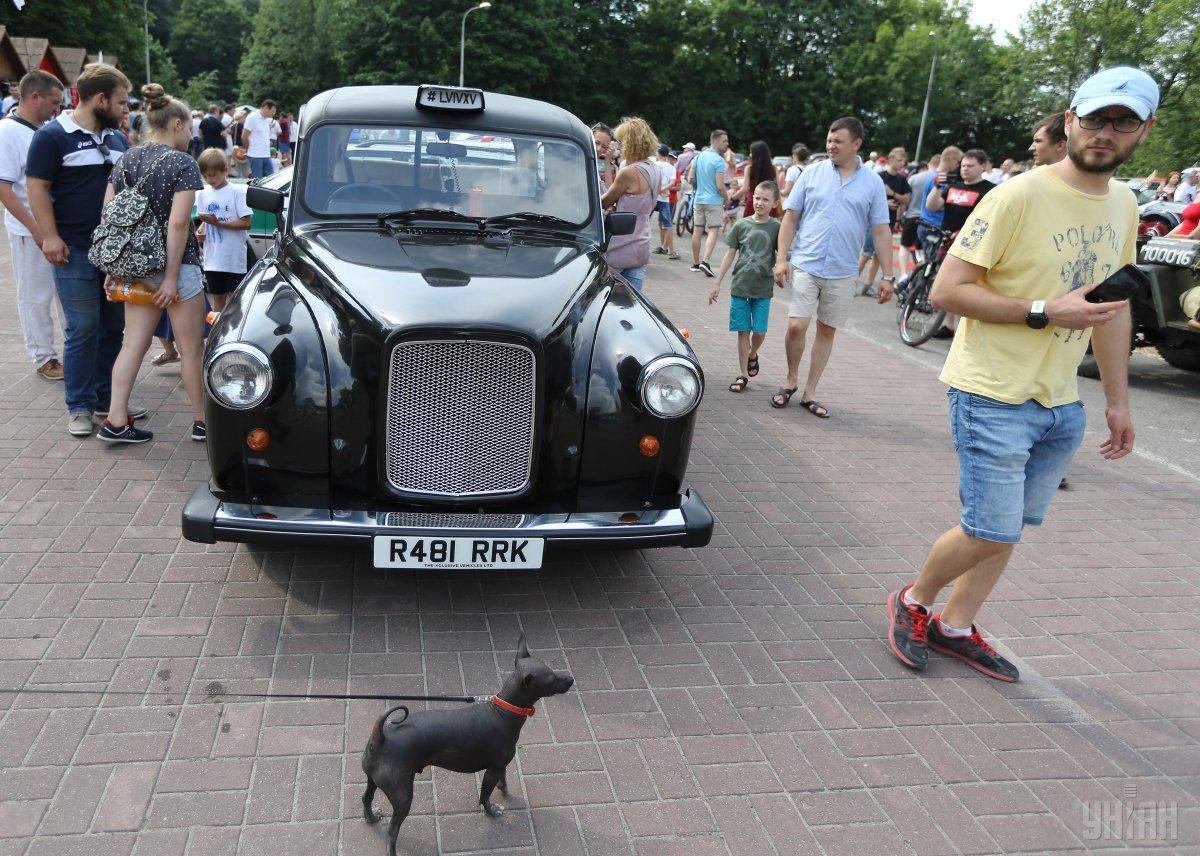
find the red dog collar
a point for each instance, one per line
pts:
(512, 708)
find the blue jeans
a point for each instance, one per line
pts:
(93, 333)
(1011, 458)
(635, 275)
(261, 167)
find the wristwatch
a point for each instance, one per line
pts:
(890, 279)
(1037, 318)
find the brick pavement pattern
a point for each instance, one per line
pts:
(737, 699)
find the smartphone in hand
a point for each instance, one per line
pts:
(1121, 285)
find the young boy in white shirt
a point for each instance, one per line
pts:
(225, 216)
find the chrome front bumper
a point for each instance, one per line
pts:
(206, 519)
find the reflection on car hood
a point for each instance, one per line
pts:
(454, 278)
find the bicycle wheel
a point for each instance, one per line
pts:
(918, 319)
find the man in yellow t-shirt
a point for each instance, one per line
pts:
(1018, 275)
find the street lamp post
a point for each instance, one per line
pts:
(928, 92)
(462, 42)
(146, 25)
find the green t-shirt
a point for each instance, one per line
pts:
(754, 270)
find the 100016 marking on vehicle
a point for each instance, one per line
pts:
(419, 552)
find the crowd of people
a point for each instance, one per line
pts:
(1030, 242)
(1030, 246)
(61, 170)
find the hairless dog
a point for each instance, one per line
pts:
(467, 740)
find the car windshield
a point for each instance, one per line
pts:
(373, 170)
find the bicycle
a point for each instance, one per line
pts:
(687, 208)
(917, 317)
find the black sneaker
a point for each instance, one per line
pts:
(973, 651)
(906, 630)
(660, 251)
(199, 431)
(706, 269)
(696, 267)
(109, 433)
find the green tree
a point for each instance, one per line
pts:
(113, 26)
(1062, 42)
(206, 35)
(289, 57)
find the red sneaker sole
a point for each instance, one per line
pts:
(981, 669)
(891, 614)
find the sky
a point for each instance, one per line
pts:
(1004, 15)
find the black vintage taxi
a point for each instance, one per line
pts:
(434, 359)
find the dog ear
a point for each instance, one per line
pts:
(528, 681)
(522, 648)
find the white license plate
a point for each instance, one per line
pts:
(420, 552)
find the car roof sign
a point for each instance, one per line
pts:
(454, 98)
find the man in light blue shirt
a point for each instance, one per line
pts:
(711, 199)
(825, 217)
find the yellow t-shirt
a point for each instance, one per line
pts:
(1038, 239)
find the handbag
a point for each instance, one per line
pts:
(130, 242)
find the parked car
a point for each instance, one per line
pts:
(1156, 219)
(1173, 265)
(433, 358)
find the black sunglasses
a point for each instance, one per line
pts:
(107, 163)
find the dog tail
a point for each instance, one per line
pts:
(377, 732)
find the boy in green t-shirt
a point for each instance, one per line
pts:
(752, 241)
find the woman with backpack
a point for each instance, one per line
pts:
(160, 175)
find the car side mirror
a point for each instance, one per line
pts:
(265, 199)
(620, 223)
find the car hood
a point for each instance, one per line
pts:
(451, 278)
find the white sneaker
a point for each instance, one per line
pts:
(79, 424)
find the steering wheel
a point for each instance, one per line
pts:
(377, 191)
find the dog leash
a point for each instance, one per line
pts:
(212, 694)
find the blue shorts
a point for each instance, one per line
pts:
(635, 276)
(1011, 458)
(749, 314)
(663, 207)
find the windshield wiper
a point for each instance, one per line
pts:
(529, 217)
(427, 214)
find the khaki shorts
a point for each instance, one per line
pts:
(708, 217)
(828, 299)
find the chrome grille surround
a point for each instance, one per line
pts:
(461, 418)
(420, 520)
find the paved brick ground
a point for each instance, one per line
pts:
(731, 700)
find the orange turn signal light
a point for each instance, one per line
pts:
(683, 331)
(211, 317)
(649, 446)
(258, 440)
(629, 517)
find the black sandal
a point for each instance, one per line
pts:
(739, 384)
(813, 406)
(786, 394)
(752, 367)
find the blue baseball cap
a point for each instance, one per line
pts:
(1120, 86)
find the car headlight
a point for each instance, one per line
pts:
(670, 387)
(239, 376)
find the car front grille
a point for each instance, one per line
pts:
(411, 520)
(460, 418)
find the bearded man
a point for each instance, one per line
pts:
(1018, 274)
(70, 160)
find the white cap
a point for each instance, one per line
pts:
(691, 146)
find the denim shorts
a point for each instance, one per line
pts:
(635, 276)
(191, 281)
(749, 314)
(663, 207)
(1011, 458)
